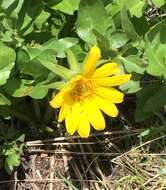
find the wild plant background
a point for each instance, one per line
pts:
(35, 36)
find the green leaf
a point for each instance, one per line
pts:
(8, 168)
(7, 55)
(56, 47)
(52, 2)
(156, 101)
(16, 11)
(127, 25)
(4, 100)
(67, 6)
(6, 3)
(5, 112)
(60, 46)
(72, 61)
(102, 40)
(7, 61)
(12, 160)
(155, 50)
(31, 67)
(158, 29)
(136, 7)
(155, 53)
(133, 63)
(46, 56)
(29, 11)
(41, 19)
(18, 88)
(46, 61)
(159, 3)
(150, 100)
(145, 133)
(33, 8)
(38, 92)
(7, 36)
(113, 9)
(91, 15)
(5, 73)
(43, 60)
(118, 39)
(14, 8)
(56, 85)
(21, 138)
(141, 25)
(131, 86)
(23, 88)
(156, 57)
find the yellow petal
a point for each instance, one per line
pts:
(83, 126)
(63, 112)
(57, 101)
(106, 70)
(76, 110)
(113, 81)
(94, 115)
(111, 94)
(69, 122)
(72, 118)
(91, 61)
(106, 106)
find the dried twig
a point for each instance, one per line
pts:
(78, 173)
(92, 135)
(87, 165)
(53, 180)
(51, 171)
(93, 153)
(14, 184)
(133, 149)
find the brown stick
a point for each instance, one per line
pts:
(51, 171)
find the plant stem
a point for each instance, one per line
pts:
(37, 109)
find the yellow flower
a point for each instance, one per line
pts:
(88, 94)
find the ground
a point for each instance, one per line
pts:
(107, 160)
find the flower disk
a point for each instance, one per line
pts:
(82, 88)
(89, 94)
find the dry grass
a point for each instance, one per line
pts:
(108, 161)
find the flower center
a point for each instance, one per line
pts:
(82, 89)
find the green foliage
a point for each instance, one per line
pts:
(158, 3)
(12, 144)
(135, 7)
(155, 50)
(7, 61)
(41, 41)
(127, 25)
(150, 100)
(4, 100)
(88, 19)
(67, 6)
